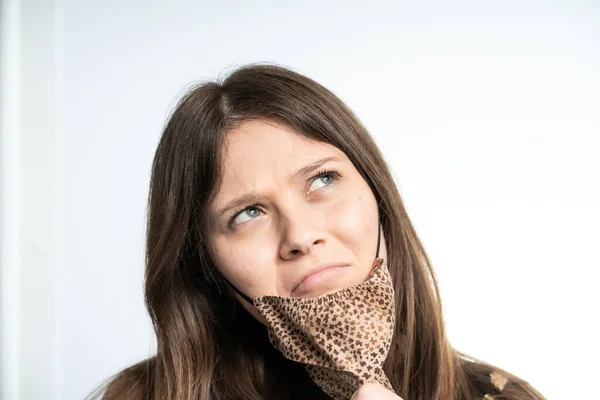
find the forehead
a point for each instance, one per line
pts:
(263, 146)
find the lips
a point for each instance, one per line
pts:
(316, 270)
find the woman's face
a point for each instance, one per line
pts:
(288, 207)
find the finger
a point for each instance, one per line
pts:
(374, 391)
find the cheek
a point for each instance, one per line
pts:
(246, 265)
(355, 222)
(356, 217)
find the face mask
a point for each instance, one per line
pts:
(343, 338)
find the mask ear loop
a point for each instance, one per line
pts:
(244, 296)
(378, 239)
(249, 299)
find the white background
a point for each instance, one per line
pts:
(487, 113)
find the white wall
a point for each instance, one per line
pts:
(487, 113)
(31, 201)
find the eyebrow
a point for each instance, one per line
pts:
(253, 196)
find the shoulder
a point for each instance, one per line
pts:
(132, 383)
(495, 383)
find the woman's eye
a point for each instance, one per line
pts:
(324, 178)
(249, 211)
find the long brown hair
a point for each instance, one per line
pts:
(207, 348)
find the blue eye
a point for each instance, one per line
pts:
(245, 211)
(333, 176)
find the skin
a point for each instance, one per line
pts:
(372, 391)
(298, 223)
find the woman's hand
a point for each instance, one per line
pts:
(374, 391)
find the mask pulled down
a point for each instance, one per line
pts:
(343, 338)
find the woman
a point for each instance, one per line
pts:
(268, 185)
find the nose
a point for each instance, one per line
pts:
(301, 232)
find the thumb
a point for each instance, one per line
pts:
(374, 391)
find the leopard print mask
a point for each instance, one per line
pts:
(343, 338)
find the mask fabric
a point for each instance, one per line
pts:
(343, 338)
